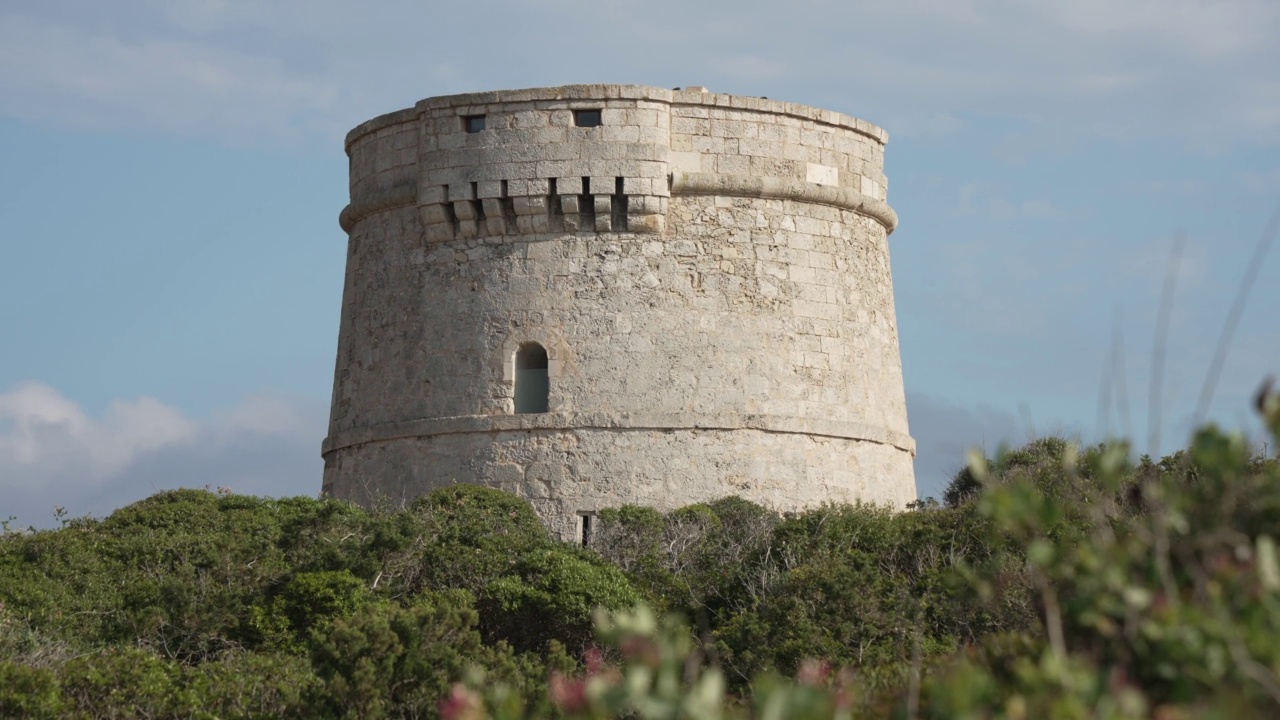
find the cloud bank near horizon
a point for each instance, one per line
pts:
(54, 454)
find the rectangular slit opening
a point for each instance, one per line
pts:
(477, 203)
(618, 207)
(452, 216)
(555, 213)
(585, 529)
(508, 209)
(587, 207)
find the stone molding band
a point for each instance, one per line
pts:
(681, 184)
(399, 196)
(470, 424)
(702, 183)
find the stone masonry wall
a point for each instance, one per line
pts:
(708, 273)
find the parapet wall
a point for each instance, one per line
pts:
(531, 170)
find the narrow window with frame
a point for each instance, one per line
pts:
(533, 386)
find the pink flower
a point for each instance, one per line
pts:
(461, 704)
(569, 695)
(813, 672)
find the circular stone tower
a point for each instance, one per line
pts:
(595, 295)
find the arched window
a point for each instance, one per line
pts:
(532, 385)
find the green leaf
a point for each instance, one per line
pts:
(1268, 566)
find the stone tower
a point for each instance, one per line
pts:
(594, 295)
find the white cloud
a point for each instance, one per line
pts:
(269, 416)
(50, 435)
(53, 453)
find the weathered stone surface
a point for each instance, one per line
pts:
(708, 274)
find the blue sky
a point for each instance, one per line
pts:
(172, 173)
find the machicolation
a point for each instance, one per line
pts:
(594, 295)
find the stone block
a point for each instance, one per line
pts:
(690, 126)
(569, 186)
(643, 117)
(643, 205)
(658, 137)
(465, 210)
(495, 220)
(695, 111)
(645, 223)
(439, 233)
(528, 119)
(732, 164)
(714, 145)
(569, 205)
(434, 214)
(552, 168)
(584, 134)
(637, 186)
(431, 194)
(822, 174)
(689, 162)
(693, 96)
(460, 192)
(603, 208)
(621, 133)
(530, 205)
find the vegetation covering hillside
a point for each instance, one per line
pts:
(1054, 581)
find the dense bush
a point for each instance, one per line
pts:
(191, 603)
(1056, 581)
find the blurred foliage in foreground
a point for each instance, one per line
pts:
(1055, 582)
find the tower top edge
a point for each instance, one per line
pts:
(465, 103)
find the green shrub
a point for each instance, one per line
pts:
(29, 692)
(311, 600)
(393, 661)
(256, 685)
(126, 683)
(551, 595)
